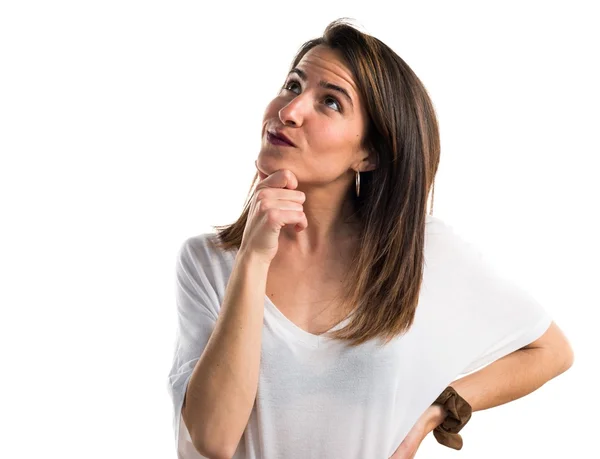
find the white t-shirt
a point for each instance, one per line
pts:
(320, 398)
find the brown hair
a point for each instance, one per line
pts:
(384, 279)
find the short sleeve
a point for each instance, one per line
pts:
(197, 308)
(491, 314)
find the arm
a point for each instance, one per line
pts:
(518, 373)
(224, 383)
(511, 377)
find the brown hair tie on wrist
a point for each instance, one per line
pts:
(458, 414)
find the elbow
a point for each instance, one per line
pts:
(565, 356)
(564, 359)
(569, 358)
(205, 443)
(214, 451)
(210, 454)
(208, 447)
(208, 439)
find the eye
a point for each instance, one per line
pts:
(335, 100)
(287, 85)
(328, 97)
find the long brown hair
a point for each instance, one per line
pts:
(384, 278)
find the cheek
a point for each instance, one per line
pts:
(272, 109)
(330, 139)
(328, 153)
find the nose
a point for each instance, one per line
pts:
(292, 113)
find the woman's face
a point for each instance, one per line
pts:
(323, 124)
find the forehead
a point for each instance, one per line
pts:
(328, 64)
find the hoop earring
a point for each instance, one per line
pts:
(357, 182)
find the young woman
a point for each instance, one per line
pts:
(330, 318)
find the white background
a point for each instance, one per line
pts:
(126, 127)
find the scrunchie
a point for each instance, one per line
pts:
(458, 414)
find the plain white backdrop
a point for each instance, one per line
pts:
(128, 126)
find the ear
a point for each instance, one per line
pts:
(369, 162)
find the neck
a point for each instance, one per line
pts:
(330, 222)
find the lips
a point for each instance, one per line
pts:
(281, 136)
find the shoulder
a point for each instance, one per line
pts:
(437, 226)
(201, 248)
(433, 224)
(201, 259)
(445, 243)
(439, 232)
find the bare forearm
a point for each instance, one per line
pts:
(508, 378)
(223, 386)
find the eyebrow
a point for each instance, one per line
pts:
(323, 84)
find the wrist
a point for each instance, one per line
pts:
(250, 259)
(438, 414)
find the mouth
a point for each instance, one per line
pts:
(279, 139)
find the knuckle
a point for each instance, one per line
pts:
(263, 205)
(261, 194)
(272, 216)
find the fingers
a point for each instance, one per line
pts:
(278, 193)
(282, 178)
